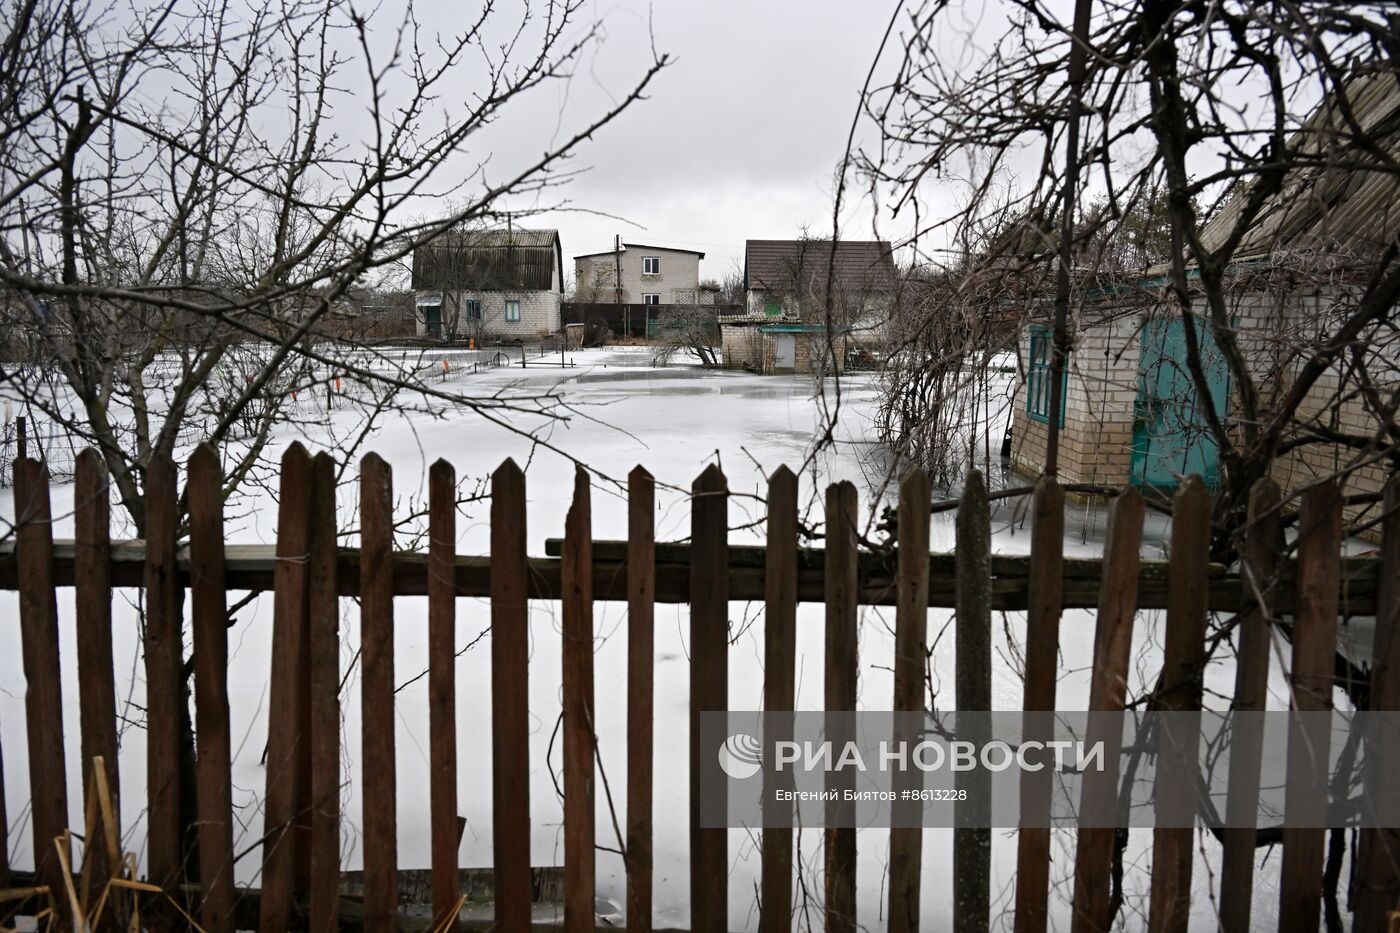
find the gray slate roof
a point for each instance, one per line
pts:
(1349, 201)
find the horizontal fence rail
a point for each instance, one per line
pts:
(189, 842)
(250, 567)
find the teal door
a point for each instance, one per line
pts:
(1171, 436)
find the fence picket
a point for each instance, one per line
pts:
(165, 695)
(641, 672)
(1113, 638)
(209, 615)
(779, 662)
(842, 619)
(43, 698)
(5, 881)
(709, 688)
(379, 776)
(323, 620)
(580, 872)
(92, 603)
(303, 751)
(442, 689)
(510, 705)
(972, 837)
(910, 637)
(1378, 862)
(1310, 682)
(1042, 653)
(1263, 543)
(1179, 694)
(286, 736)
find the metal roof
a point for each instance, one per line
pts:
(787, 265)
(490, 260)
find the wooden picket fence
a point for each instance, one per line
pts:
(308, 574)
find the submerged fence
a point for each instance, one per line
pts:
(307, 573)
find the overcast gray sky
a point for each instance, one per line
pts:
(739, 139)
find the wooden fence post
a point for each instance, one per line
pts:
(910, 658)
(43, 695)
(323, 618)
(1045, 584)
(1378, 868)
(92, 599)
(5, 881)
(709, 688)
(378, 769)
(1314, 660)
(286, 736)
(209, 613)
(779, 661)
(1113, 640)
(641, 661)
(1263, 543)
(972, 834)
(510, 704)
(842, 594)
(576, 568)
(442, 690)
(1179, 698)
(165, 692)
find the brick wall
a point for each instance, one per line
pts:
(1096, 440)
(539, 314)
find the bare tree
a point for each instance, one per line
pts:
(182, 213)
(1221, 137)
(1239, 163)
(184, 220)
(692, 329)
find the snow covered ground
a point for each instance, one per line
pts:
(624, 412)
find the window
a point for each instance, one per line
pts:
(651, 265)
(651, 299)
(512, 310)
(473, 309)
(773, 309)
(1038, 378)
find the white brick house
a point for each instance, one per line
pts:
(501, 284)
(1132, 412)
(653, 275)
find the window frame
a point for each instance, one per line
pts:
(648, 296)
(513, 304)
(654, 262)
(473, 309)
(1039, 354)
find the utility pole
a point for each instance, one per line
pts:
(617, 283)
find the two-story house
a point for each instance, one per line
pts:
(641, 274)
(497, 283)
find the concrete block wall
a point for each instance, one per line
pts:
(676, 283)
